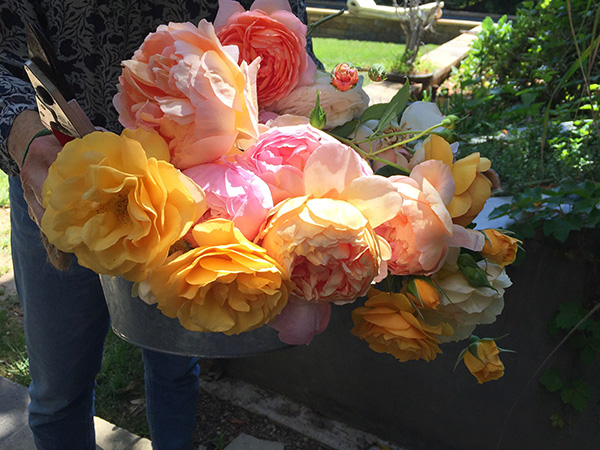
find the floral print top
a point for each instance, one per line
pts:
(91, 38)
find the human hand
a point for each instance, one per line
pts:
(34, 170)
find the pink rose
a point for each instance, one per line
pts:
(279, 157)
(272, 32)
(301, 320)
(186, 86)
(233, 193)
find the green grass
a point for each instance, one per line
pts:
(13, 354)
(360, 53)
(3, 189)
(120, 388)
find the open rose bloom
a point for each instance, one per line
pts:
(228, 223)
(270, 31)
(185, 85)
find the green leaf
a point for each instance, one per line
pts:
(588, 354)
(585, 205)
(373, 112)
(560, 229)
(569, 314)
(394, 107)
(318, 118)
(577, 395)
(557, 421)
(345, 130)
(388, 171)
(551, 380)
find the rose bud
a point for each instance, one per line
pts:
(344, 77)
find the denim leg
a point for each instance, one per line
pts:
(172, 386)
(66, 321)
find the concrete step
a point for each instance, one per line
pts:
(16, 435)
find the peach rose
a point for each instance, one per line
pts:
(486, 366)
(473, 188)
(340, 107)
(227, 284)
(389, 324)
(326, 237)
(185, 85)
(115, 207)
(235, 193)
(499, 247)
(331, 251)
(271, 31)
(422, 232)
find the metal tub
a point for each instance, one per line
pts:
(145, 326)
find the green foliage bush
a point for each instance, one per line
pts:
(533, 86)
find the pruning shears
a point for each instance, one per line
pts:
(57, 106)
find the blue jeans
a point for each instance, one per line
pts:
(66, 321)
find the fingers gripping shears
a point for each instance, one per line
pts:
(57, 106)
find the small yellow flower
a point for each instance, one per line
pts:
(423, 293)
(499, 247)
(488, 366)
(388, 323)
(226, 284)
(115, 207)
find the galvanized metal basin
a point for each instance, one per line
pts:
(144, 325)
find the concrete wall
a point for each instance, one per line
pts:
(428, 406)
(352, 26)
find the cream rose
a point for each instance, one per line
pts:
(340, 107)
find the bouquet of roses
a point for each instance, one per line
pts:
(250, 189)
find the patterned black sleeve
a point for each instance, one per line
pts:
(16, 94)
(91, 39)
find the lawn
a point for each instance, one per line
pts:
(360, 53)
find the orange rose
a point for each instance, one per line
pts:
(473, 188)
(115, 207)
(487, 366)
(226, 284)
(389, 324)
(499, 247)
(272, 32)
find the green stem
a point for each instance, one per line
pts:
(314, 25)
(414, 138)
(372, 156)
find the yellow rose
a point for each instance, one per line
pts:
(226, 284)
(423, 293)
(115, 207)
(488, 366)
(473, 188)
(389, 324)
(499, 247)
